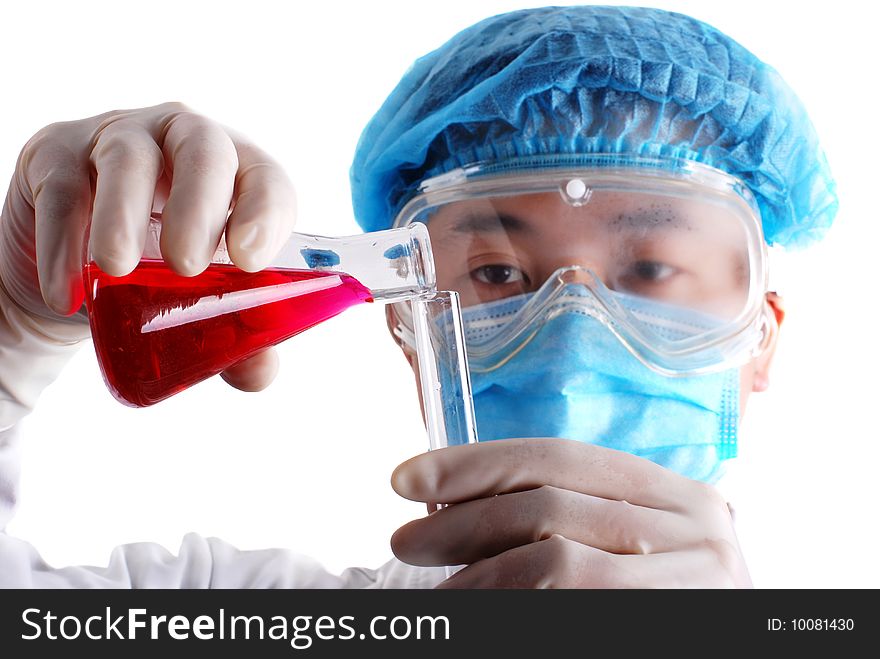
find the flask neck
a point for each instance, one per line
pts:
(394, 264)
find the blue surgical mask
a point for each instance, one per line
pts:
(574, 379)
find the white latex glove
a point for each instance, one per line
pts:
(554, 513)
(114, 169)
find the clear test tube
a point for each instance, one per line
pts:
(443, 374)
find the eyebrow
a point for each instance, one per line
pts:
(642, 219)
(650, 219)
(491, 223)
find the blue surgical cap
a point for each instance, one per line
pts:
(582, 80)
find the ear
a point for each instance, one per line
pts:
(761, 364)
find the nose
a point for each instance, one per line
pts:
(577, 271)
(580, 287)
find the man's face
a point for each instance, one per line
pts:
(673, 250)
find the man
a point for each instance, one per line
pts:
(599, 184)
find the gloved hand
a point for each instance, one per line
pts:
(116, 168)
(554, 513)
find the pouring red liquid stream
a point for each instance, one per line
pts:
(157, 333)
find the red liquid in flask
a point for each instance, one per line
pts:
(157, 333)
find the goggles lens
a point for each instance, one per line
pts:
(652, 247)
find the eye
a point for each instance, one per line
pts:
(498, 275)
(652, 271)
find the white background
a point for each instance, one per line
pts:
(306, 464)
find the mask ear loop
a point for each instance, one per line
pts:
(766, 330)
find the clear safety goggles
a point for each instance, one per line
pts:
(668, 254)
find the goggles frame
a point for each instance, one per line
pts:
(575, 177)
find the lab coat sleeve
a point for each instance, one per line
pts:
(32, 354)
(199, 563)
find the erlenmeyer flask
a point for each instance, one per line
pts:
(157, 333)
